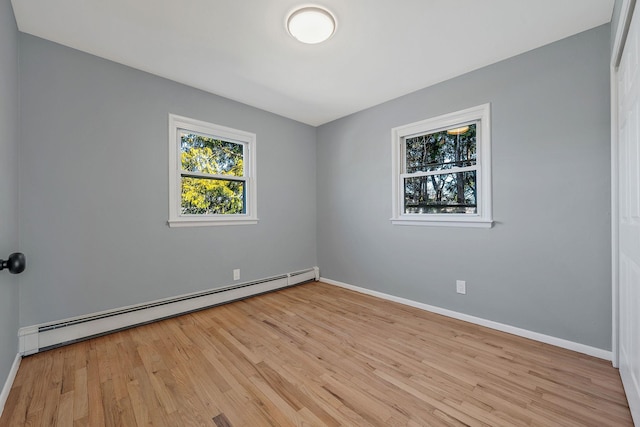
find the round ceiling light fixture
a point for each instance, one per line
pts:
(311, 24)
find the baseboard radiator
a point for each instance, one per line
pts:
(37, 338)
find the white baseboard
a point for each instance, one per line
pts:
(547, 339)
(35, 338)
(9, 382)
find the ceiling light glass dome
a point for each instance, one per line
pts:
(311, 24)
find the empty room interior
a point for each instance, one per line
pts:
(357, 213)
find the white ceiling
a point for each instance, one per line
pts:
(240, 49)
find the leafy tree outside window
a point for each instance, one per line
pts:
(209, 166)
(212, 172)
(442, 170)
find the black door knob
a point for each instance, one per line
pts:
(16, 263)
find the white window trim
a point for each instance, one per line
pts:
(177, 219)
(484, 217)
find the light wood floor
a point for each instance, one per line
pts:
(314, 355)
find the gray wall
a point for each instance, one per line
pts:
(9, 134)
(94, 198)
(545, 265)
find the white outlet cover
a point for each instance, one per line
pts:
(461, 286)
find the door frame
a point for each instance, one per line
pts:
(626, 12)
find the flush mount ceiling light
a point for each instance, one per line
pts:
(311, 24)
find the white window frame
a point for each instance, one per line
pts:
(176, 218)
(484, 217)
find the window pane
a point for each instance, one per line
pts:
(204, 196)
(442, 150)
(208, 155)
(438, 194)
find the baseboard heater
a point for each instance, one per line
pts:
(37, 338)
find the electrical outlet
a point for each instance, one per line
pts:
(461, 286)
(236, 274)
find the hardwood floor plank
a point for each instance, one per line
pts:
(313, 355)
(138, 404)
(94, 394)
(80, 396)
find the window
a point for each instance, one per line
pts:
(442, 170)
(212, 174)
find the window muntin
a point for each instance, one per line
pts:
(212, 174)
(441, 170)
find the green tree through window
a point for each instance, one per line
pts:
(441, 170)
(209, 166)
(212, 174)
(442, 151)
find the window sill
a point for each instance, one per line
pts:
(475, 222)
(208, 222)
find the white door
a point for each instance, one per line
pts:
(629, 216)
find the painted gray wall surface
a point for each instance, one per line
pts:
(545, 265)
(94, 198)
(9, 134)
